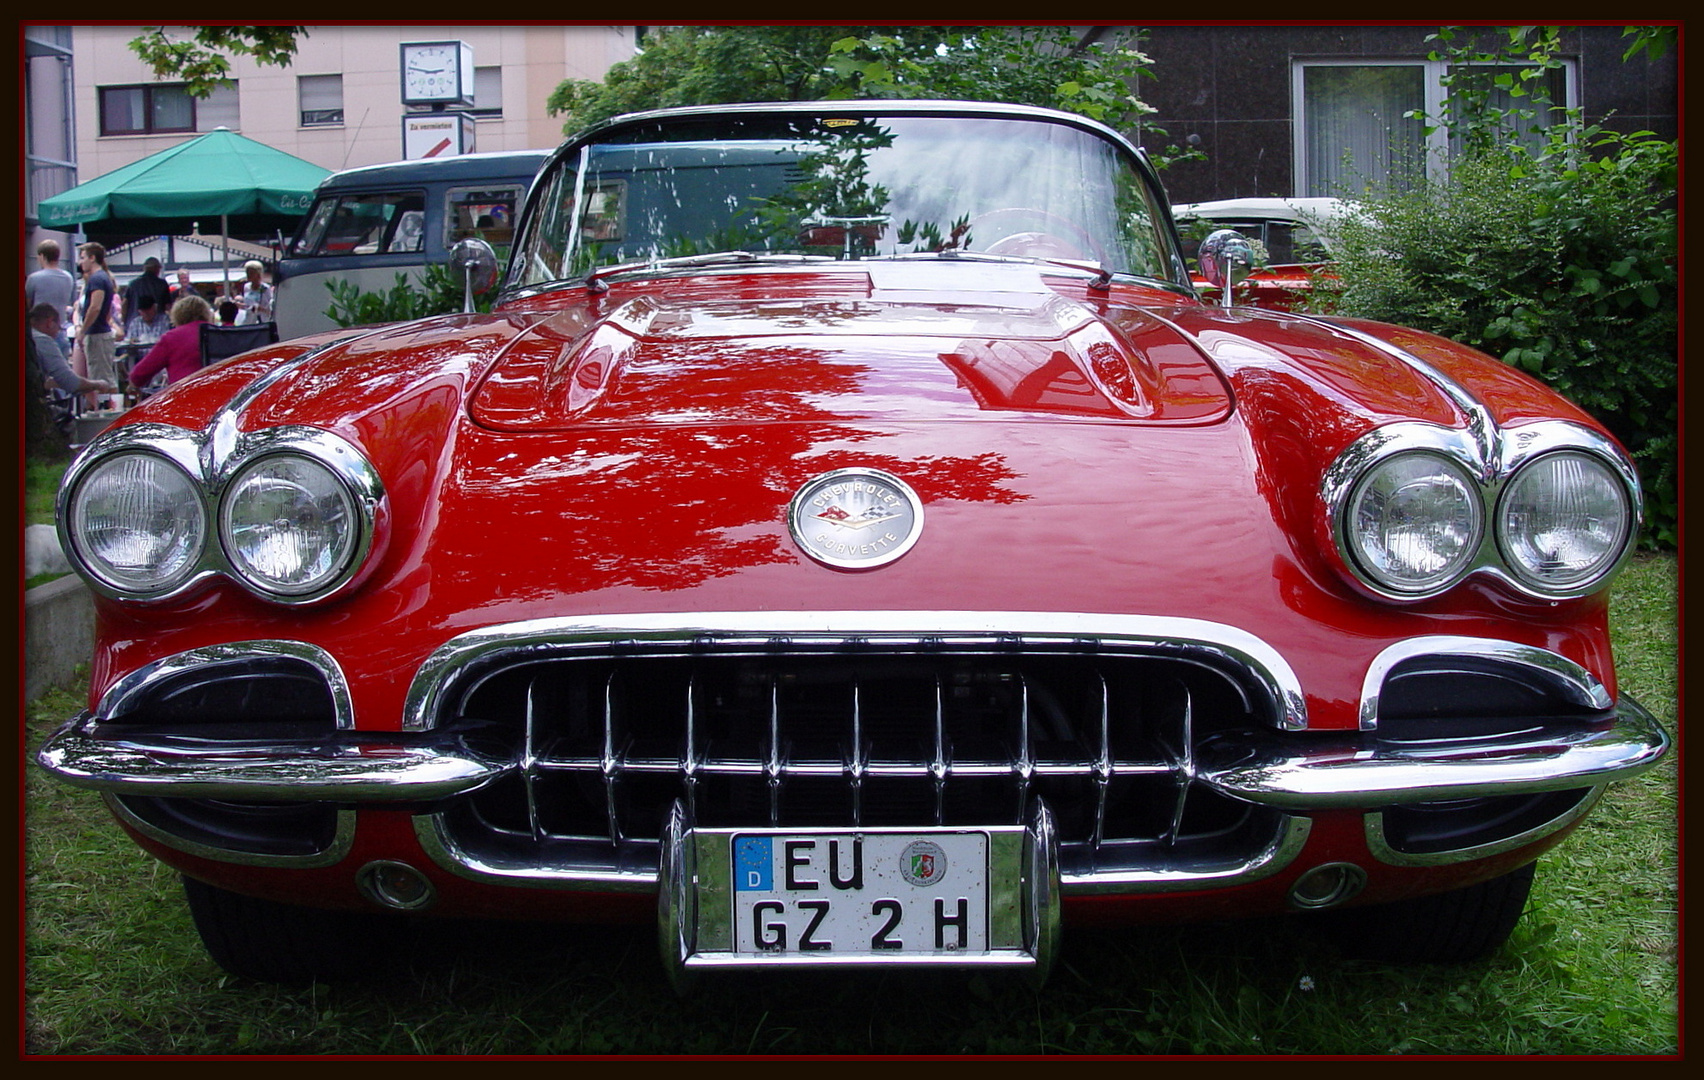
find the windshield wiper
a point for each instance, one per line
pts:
(594, 281)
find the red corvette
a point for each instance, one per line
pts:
(851, 542)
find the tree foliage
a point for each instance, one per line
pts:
(201, 60)
(1558, 255)
(712, 65)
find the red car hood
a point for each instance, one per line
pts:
(900, 349)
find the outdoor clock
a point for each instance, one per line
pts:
(437, 73)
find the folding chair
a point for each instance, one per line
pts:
(219, 342)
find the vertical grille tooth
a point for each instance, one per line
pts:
(856, 761)
(1186, 768)
(607, 764)
(1103, 758)
(689, 758)
(1024, 766)
(529, 760)
(772, 767)
(938, 761)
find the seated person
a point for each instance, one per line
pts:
(147, 326)
(178, 353)
(44, 331)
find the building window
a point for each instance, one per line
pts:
(164, 109)
(1359, 123)
(321, 99)
(487, 93)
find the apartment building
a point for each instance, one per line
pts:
(92, 106)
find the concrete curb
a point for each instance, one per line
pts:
(59, 633)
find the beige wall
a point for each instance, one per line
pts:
(534, 59)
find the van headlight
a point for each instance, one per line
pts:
(1564, 521)
(136, 522)
(290, 526)
(1413, 523)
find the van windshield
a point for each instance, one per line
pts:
(369, 223)
(845, 188)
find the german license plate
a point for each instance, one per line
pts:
(876, 894)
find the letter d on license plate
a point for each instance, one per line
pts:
(959, 896)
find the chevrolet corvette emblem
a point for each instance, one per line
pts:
(855, 519)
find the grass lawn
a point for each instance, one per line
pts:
(113, 965)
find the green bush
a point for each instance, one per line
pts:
(1561, 262)
(438, 292)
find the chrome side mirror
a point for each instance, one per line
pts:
(476, 264)
(1226, 259)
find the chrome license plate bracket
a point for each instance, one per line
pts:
(955, 896)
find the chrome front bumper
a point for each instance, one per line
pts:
(1292, 771)
(434, 767)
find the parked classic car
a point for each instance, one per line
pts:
(851, 541)
(1295, 237)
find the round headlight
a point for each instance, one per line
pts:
(289, 525)
(1564, 521)
(137, 523)
(1413, 523)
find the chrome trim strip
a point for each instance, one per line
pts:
(635, 870)
(373, 770)
(1182, 877)
(343, 838)
(1480, 424)
(1352, 771)
(145, 678)
(1382, 850)
(1575, 682)
(639, 872)
(222, 432)
(906, 629)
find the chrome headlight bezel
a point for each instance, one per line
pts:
(1511, 451)
(190, 519)
(359, 487)
(1375, 552)
(211, 467)
(1614, 468)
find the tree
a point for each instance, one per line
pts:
(201, 62)
(711, 65)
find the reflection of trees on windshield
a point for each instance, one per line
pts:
(829, 204)
(846, 188)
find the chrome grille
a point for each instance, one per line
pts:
(852, 733)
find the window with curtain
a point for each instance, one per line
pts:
(1355, 130)
(487, 93)
(165, 108)
(320, 98)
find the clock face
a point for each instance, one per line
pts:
(431, 72)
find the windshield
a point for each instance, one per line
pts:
(844, 188)
(370, 223)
